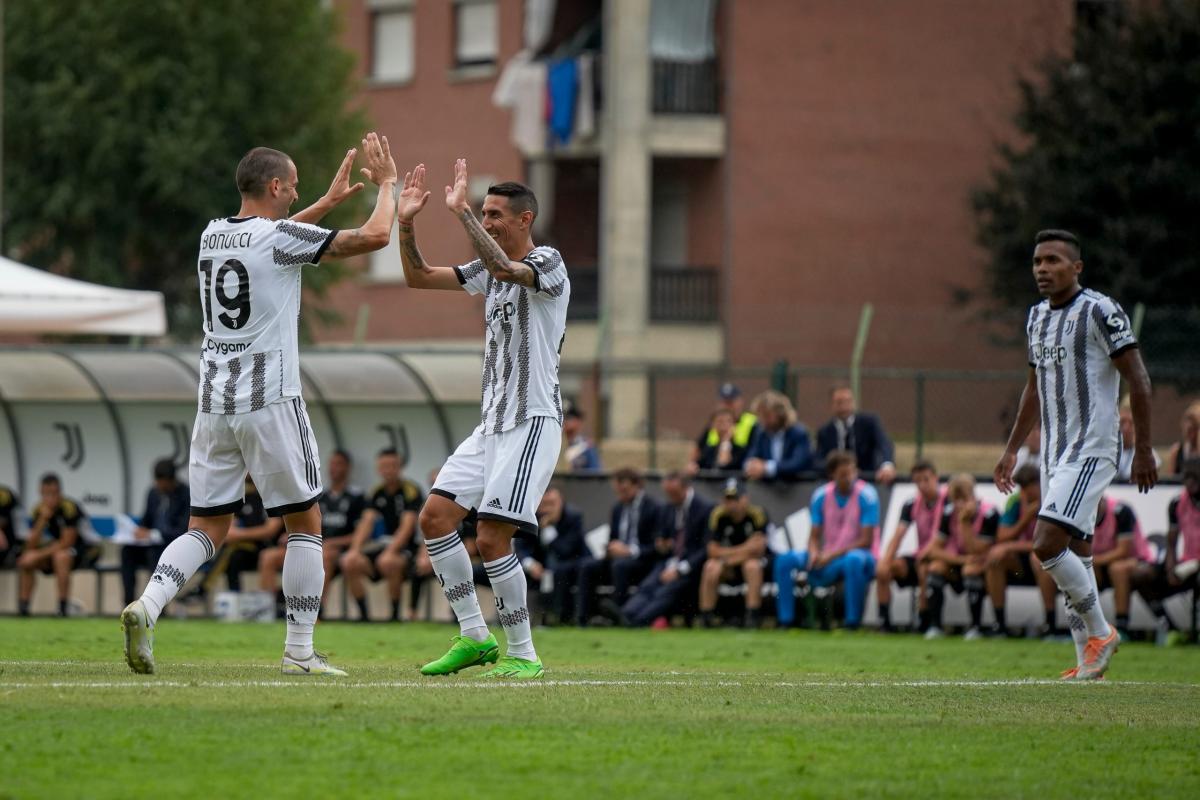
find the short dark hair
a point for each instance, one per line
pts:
(164, 469)
(49, 478)
(923, 466)
(679, 476)
(1027, 476)
(391, 451)
(344, 454)
(628, 475)
(840, 387)
(836, 459)
(258, 168)
(1059, 235)
(520, 197)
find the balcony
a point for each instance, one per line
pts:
(585, 294)
(681, 87)
(684, 294)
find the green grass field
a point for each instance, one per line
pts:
(620, 714)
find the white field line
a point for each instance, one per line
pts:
(334, 683)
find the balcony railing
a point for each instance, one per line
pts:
(585, 293)
(684, 294)
(681, 87)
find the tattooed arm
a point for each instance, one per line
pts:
(417, 273)
(494, 259)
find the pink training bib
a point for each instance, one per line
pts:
(841, 525)
(955, 544)
(1189, 526)
(927, 520)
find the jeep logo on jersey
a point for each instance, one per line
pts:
(504, 312)
(1047, 353)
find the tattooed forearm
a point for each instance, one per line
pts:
(494, 259)
(410, 255)
(347, 243)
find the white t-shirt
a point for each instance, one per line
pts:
(525, 328)
(1072, 348)
(249, 271)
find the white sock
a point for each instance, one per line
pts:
(508, 582)
(1078, 634)
(176, 565)
(452, 566)
(1079, 585)
(303, 577)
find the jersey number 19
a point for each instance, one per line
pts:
(237, 306)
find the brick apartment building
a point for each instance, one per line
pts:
(756, 171)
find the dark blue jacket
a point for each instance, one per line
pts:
(797, 452)
(569, 545)
(179, 506)
(696, 532)
(869, 442)
(648, 523)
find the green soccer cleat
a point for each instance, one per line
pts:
(517, 669)
(139, 638)
(464, 652)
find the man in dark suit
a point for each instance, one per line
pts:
(681, 547)
(167, 509)
(781, 450)
(629, 555)
(861, 434)
(565, 555)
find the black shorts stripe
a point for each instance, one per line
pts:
(1080, 490)
(541, 423)
(525, 457)
(310, 468)
(216, 511)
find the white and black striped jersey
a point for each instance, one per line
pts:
(249, 271)
(1072, 347)
(524, 333)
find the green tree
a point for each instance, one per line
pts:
(1111, 150)
(124, 121)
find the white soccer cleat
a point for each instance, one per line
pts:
(139, 638)
(934, 632)
(315, 664)
(973, 633)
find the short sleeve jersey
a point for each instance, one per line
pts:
(728, 532)
(392, 505)
(1071, 347)
(249, 278)
(68, 514)
(341, 511)
(523, 337)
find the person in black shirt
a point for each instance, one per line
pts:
(342, 506)
(737, 547)
(167, 507)
(54, 544)
(10, 545)
(395, 502)
(253, 531)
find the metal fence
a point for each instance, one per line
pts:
(684, 88)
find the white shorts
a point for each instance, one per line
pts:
(1071, 494)
(503, 475)
(274, 444)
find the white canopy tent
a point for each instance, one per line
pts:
(35, 301)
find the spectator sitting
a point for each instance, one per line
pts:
(924, 513)
(1011, 559)
(1116, 546)
(579, 452)
(10, 518)
(560, 531)
(629, 556)
(396, 501)
(253, 531)
(54, 546)
(845, 517)
(342, 506)
(724, 455)
(682, 547)
(737, 548)
(958, 552)
(168, 505)
(1188, 446)
(860, 433)
(781, 450)
(744, 429)
(1125, 462)
(1030, 453)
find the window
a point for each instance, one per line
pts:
(476, 33)
(392, 46)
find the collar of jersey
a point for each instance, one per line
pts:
(1074, 297)
(242, 219)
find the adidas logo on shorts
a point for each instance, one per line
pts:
(495, 503)
(1052, 507)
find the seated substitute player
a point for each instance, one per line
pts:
(737, 550)
(396, 501)
(503, 468)
(342, 505)
(252, 532)
(957, 554)
(1081, 344)
(10, 518)
(54, 546)
(251, 414)
(1115, 541)
(924, 514)
(845, 520)
(1010, 560)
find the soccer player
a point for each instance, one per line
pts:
(54, 546)
(957, 554)
(251, 414)
(1118, 539)
(1080, 346)
(737, 546)
(1010, 559)
(504, 466)
(924, 513)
